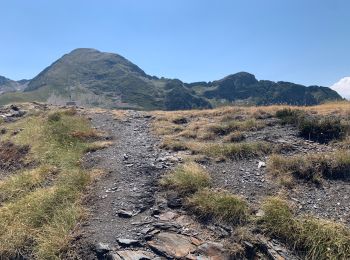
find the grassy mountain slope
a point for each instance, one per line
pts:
(94, 78)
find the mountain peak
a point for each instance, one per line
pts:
(95, 78)
(77, 50)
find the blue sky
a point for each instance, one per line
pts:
(303, 41)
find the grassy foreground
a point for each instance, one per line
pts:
(39, 207)
(313, 238)
(310, 237)
(312, 167)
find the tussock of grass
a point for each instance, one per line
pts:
(313, 238)
(219, 205)
(98, 145)
(189, 133)
(187, 178)
(87, 135)
(224, 129)
(320, 129)
(179, 120)
(312, 167)
(237, 150)
(167, 128)
(70, 111)
(234, 137)
(36, 218)
(240, 150)
(174, 144)
(290, 116)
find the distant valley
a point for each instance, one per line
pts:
(93, 78)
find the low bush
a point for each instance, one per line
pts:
(12, 156)
(290, 116)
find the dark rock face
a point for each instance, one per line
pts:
(244, 86)
(179, 97)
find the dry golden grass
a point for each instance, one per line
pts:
(207, 131)
(234, 137)
(187, 178)
(119, 114)
(204, 131)
(40, 207)
(312, 238)
(219, 205)
(98, 145)
(339, 108)
(311, 167)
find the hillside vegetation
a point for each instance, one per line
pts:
(93, 78)
(226, 151)
(40, 197)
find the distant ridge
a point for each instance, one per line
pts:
(8, 85)
(93, 78)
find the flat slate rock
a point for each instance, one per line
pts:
(132, 255)
(172, 245)
(213, 251)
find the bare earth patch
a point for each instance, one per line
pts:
(12, 157)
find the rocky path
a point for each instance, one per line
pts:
(131, 218)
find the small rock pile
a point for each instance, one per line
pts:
(10, 113)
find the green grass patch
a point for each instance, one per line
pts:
(220, 206)
(41, 206)
(187, 178)
(312, 238)
(20, 184)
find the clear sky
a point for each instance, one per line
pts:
(303, 41)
